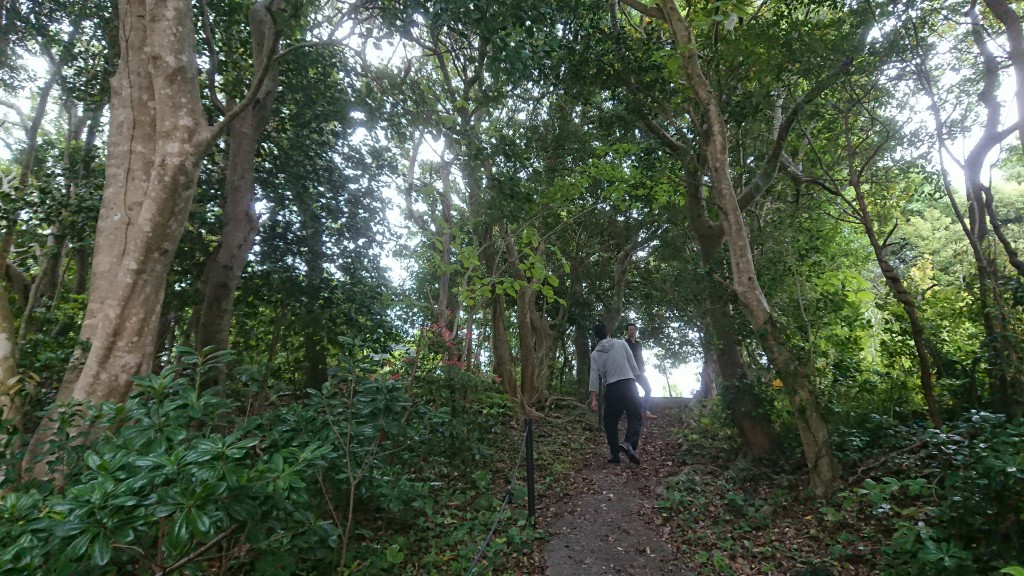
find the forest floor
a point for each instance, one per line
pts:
(687, 509)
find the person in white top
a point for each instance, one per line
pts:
(612, 364)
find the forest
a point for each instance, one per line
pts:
(283, 281)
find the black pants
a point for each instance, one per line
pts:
(621, 396)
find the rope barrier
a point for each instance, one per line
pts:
(501, 510)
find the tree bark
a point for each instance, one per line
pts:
(1005, 368)
(622, 263)
(581, 343)
(814, 434)
(710, 374)
(224, 267)
(502, 357)
(536, 335)
(9, 409)
(157, 138)
(738, 391)
(906, 300)
(1007, 15)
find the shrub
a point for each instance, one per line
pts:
(954, 503)
(184, 478)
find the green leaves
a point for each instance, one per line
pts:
(394, 555)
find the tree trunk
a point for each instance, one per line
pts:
(1007, 15)
(467, 342)
(502, 357)
(738, 392)
(974, 224)
(315, 282)
(814, 434)
(536, 334)
(903, 296)
(581, 342)
(8, 351)
(1005, 365)
(622, 263)
(223, 271)
(443, 230)
(224, 267)
(157, 138)
(709, 371)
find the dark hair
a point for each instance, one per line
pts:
(600, 331)
(633, 324)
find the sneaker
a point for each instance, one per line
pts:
(630, 452)
(649, 416)
(614, 460)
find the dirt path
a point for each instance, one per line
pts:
(611, 524)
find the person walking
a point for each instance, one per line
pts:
(612, 364)
(638, 355)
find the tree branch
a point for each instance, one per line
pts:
(202, 550)
(770, 166)
(211, 47)
(650, 11)
(262, 71)
(23, 120)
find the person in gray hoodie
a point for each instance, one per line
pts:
(612, 364)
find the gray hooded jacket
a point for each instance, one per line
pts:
(611, 361)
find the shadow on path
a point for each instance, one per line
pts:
(611, 523)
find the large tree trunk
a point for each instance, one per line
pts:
(502, 363)
(623, 260)
(315, 282)
(974, 224)
(740, 394)
(536, 336)
(1007, 15)
(157, 138)
(224, 267)
(738, 391)
(1005, 366)
(814, 434)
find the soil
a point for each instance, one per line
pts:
(610, 523)
(724, 518)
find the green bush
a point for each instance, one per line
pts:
(954, 503)
(356, 475)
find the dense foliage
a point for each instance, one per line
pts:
(206, 479)
(398, 223)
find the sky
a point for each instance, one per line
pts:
(684, 379)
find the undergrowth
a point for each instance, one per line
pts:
(916, 502)
(383, 470)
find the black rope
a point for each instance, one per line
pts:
(501, 510)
